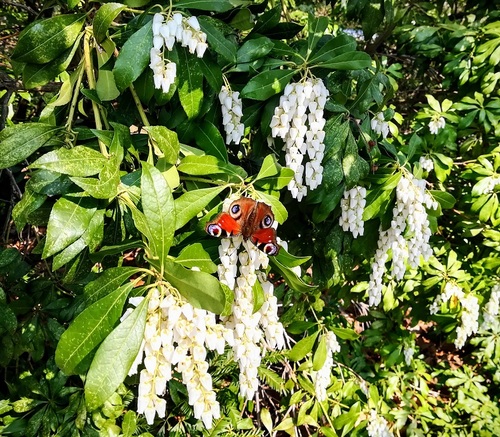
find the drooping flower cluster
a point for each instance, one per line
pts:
(232, 111)
(299, 121)
(470, 311)
(426, 163)
(491, 310)
(177, 337)
(322, 377)
(408, 236)
(408, 353)
(437, 122)
(379, 125)
(185, 31)
(487, 185)
(352, 206)
(377, 426)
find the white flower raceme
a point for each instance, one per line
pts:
(377, 426)
(470, 311)
(352, 206)
(322, 377)
(379, 125)
(231, 115)
(426, 163)
(299, 121)
(185, 31)
(408, 353)
(487, 185)
(408, 236)
(177, 337)
(491, 310)
(437, 122)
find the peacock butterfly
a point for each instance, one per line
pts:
(252, 220)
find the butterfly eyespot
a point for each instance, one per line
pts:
(235, 211)
(270, 249)
(267, 221)
(214, 230)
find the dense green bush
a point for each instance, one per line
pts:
(378, 156)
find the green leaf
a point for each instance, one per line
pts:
(207, 164)
(254, 49)
(29, 203)
(206, 5)
(290, 277)
(20, 141)
(43, 41)
(303, 347)
(289, 260)
(106, 86)
(190, 87)
(347, 61)
(195, 256)
(200, 289)
(89, 328)
(278, 182)
(217, 40)
(270, 167)
(159, 210)
(104, 17)
(109, 280)
(445, 199)
(133, 57)
(336, 46)
(267, 84)
(209, 139)
(114, 357)
(355, 168)
(267, 21)
(77, 161)
(68, 221)
(279, 211)
(190, 204)
(106, 187)
(166, 141)
(377, 199)
(320, 353)
(212, 73)
(316, 27)
(257, 296)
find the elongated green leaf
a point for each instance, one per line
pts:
(377, 199)
(109, 280)
(77, 161)
(89, 328)
(336, 46)
(166, 141)
(278, 182)
(206, 164)
(190, 88)
(347, 61)
(217, 40)
(195, 256)
(159, 209)
(316, 27)
(212, 73)
(267, 84)
(199, 288)
(114, 357)
(45, 40)
(270, 167)
(267, 20)
(104, 17)
(257, 296)
(106, 187)
(133, 57)
(207, 5)
(68, 253)
(20, 141)
(254, 49)
(290, 277)
(319, 356)
(190, 204)
(68, 221)
(29, 203)
(208, 138)
(445, 199)
(303, 347)
(355, 168)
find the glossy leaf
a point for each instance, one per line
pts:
(29, 203)
(89, 328)
(133, 57)
(108, 281)
(45, 40)
(254, 49)
(190, 87)
(208, 138)
(336, 46)
(104, 17)
(206, 164)
(159, 210)
(315, 30)
(106, 187)
(190, 204)
(303, 347)
(320, 353)
(217, 41)
(270, 167)
(114, 357)
(267, 84)
(22, 140)
(205, 5)
(195, 256)
(77, 161)
(347, 61)
(166, 141)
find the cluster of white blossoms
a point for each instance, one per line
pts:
(322, 377)
(408, 353)
(437, 122)
(377, 426)
(470, 311)
(491, 310)
(379, 125)
(232, 111)
(352, 206)
(407, 238)
(299, 121)
(176, 338)
(185, 31)
(487, 185)
(426, 163)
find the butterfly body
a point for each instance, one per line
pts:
(252, 220)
